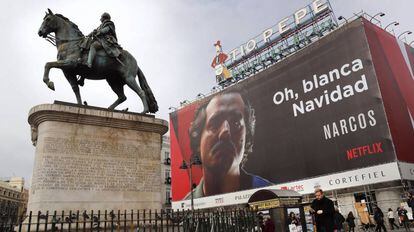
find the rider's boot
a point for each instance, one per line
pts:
(91, 56)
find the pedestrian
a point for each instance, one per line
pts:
(402, 213)
(391, 219)
(379, 219)
(260, 221)
(324, 211)
(350, 219)
(269, 226)
(410, 200)
(338, 220)
(399, 216)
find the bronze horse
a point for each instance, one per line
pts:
(117, 71)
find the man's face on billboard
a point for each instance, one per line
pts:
(223, 137)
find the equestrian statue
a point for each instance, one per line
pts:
(96, 56)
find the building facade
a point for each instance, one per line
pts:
(335, 115)
(166, 173)
(362, 200)
(13, 199)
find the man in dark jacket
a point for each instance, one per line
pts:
(338, 220)
(324, 210)
(379, 219)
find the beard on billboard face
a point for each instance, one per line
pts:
(221, 156)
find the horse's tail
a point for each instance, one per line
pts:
(152, 103)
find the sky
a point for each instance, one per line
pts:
(171, 40)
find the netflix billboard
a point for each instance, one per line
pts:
(313, 114)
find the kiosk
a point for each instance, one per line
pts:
(279, 204)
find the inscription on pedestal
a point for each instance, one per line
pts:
(70, 164)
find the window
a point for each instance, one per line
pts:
(167, 173)
(167, 196)
(166, 155)
(167, 159)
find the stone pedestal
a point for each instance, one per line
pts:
(91, 158)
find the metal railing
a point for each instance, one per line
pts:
(237, 220)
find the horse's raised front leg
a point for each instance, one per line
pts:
(50, 65)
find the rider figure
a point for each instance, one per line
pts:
(104, 37)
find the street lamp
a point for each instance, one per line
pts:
(342, 18)
(172, 108)
(194, 160)
(380, 14)
(405, 32)
(395, 23)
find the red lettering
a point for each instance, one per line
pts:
(354, 150)
(366, 149)
(360, 151)
(350, 154)
(369, 149)
(378, 147)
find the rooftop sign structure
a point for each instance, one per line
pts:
(275, 43)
